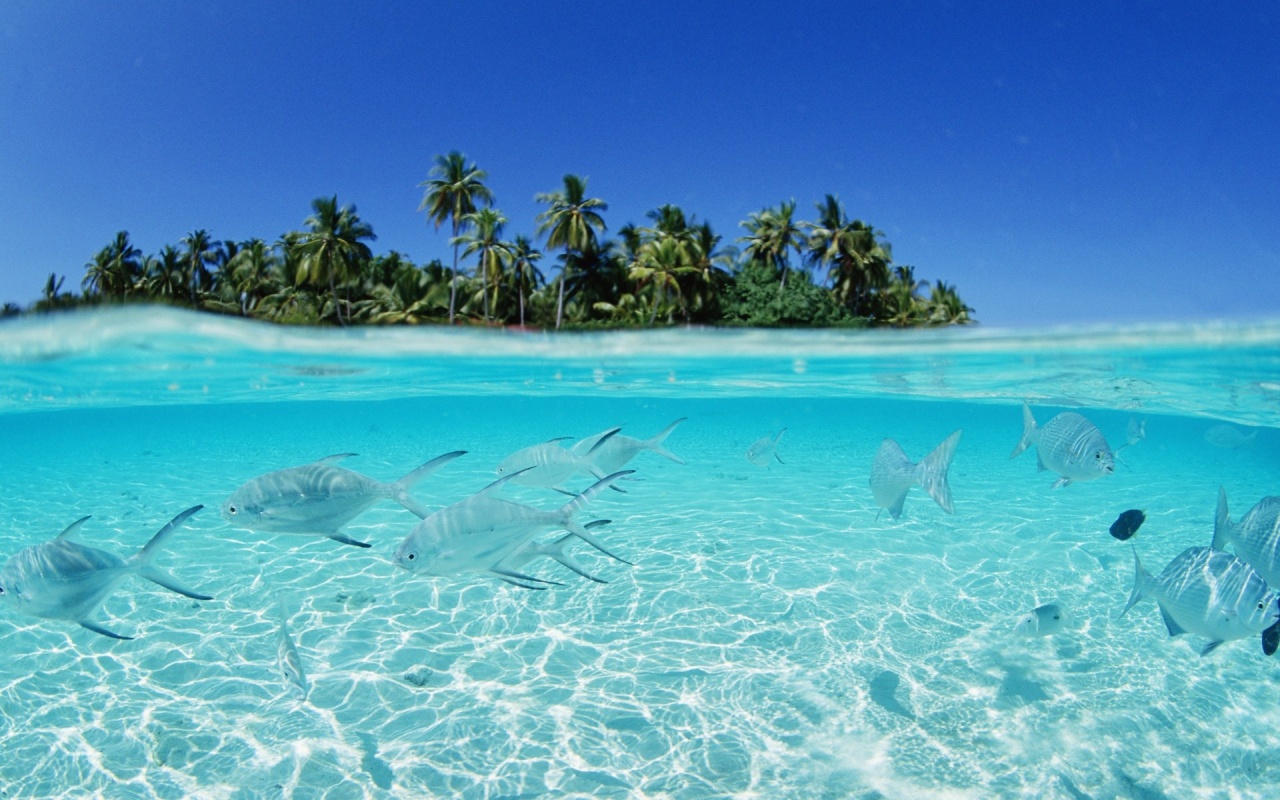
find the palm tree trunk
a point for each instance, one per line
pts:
(337, 307)
(453, 276)
(484, 283)
(560, 301)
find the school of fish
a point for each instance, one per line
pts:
(1205, 591)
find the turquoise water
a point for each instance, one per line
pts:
(776, 636)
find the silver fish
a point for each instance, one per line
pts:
(1069, 445)
(319, 498)
(1041, 621)
(1228, 437)
(1256, 537)
(63, 579)
(479, 533)
(616, 451)
(763, 450)
(1135, 431)
(550, 464)
(1208, 593)
(289, 660)
(893, 474)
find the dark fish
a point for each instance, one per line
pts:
(1127, 524)
(1271, 639)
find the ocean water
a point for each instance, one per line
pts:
(778, 636)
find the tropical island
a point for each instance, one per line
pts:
(830, 272)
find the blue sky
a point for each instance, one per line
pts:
(1058, 162)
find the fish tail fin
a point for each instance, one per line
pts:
(931, 472)
(159, 576)
(1141, 584)
(656, 443)
(1222, 525)
(1029, 432)
(556, 550)
(400, 489)
(570, 509)
(149, 551)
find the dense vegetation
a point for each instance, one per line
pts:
(832, 271)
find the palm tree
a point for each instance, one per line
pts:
(524, 269)
(200, 253)
(114, 270)
(711, 265)
(249, 274)
(900, 301)
(486, 241)
(166, 276)
(855, 255)
(451, 193)
(332, 251)
(660, 264)
(571, 222)
(946, 307)
(773, 235)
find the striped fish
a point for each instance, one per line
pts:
(63, 579)
(1256, 537)
(319, 498)
(1209, 593)
(481, 533)
(893, 474)
(1069, 445)
(764, 450)
(550, 464)
(618, 450)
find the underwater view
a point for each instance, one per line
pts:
(246, 561)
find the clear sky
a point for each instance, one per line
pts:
(1058, 162)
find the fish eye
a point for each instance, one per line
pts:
(410, 556)
(1261, 605)
(1, 590)
(231, 509)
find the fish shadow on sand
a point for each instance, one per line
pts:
(1018, 688)
(883, 693)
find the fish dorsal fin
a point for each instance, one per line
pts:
(494, 486)
(334, 459)
(604, 437)
(1171, 624)
(71, 529)
(558, 439)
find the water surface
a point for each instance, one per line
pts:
(777, 636)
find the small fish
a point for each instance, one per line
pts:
(1127, 524)
(1208, 593)
(1256, 537)
(763, 450)
(550, 464)
(289, 659)
(1228, 437)
(319, 498)
(893, 474)
(616, 451)
(1069, 445)
(1041, 621)
(63, 579)
(1135, 431)
(478, 534)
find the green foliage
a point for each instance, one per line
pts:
(756, 299)
(674, 271)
